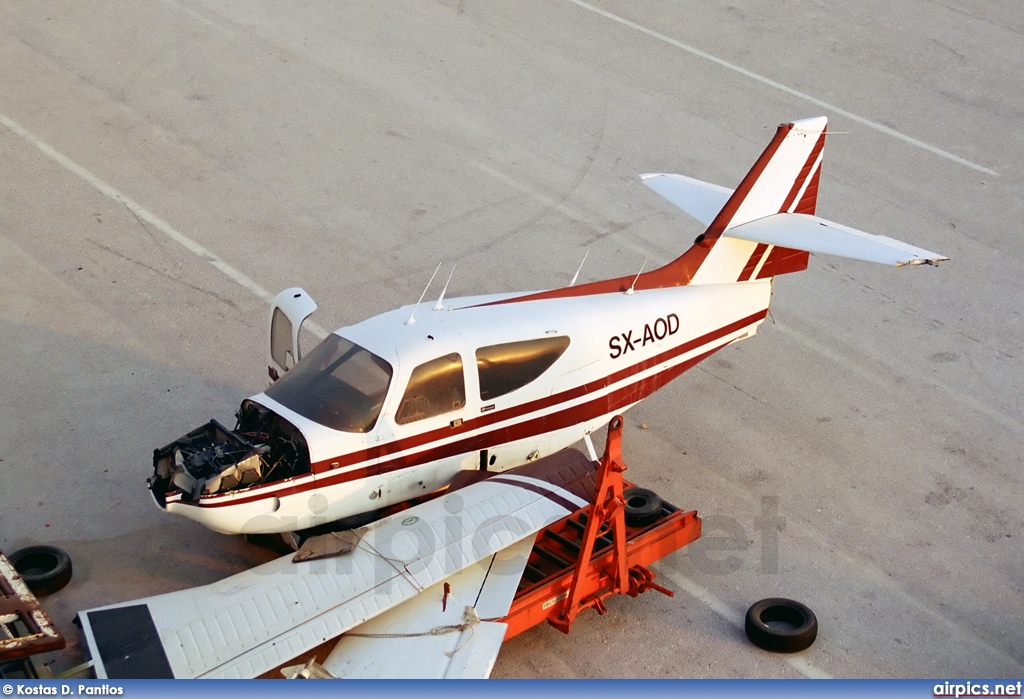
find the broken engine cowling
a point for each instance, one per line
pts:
(262, 448)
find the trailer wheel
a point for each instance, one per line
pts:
(642, 506)
(781, 625)
(44, 569)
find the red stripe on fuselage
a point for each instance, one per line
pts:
(602, 405)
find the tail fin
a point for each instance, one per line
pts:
(767, 225)
(784, 178)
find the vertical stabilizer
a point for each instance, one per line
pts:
(783, 180)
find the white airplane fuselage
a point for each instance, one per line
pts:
(397, 405)
(621, 348)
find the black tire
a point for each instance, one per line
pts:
(45, 569)
(781, 625)
(642, 507)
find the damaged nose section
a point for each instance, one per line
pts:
(206, 460)
(211, 459)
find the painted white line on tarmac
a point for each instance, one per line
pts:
(723, 610)
(807, 670)
(146, 215)
(785, 88)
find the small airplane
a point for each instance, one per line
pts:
(395, 406)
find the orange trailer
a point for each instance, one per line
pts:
(594, 553)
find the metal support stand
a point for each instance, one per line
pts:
(591, 585)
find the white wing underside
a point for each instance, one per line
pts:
(257, 620)
(431, 633)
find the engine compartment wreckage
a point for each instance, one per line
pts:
(441, 583)
(263, 448)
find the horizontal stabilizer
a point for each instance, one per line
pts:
(818, 235)
(701, 200)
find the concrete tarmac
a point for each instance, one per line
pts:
(166, 165)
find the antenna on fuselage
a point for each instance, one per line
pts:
(412, 316)
(439, 306)
(576, 276)
(630, 289)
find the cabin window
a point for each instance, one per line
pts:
(505, 368)
(435, 388)
(339, 385)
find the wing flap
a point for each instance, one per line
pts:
(818, 235)
(432, 633)
(478, 649)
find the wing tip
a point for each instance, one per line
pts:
(918, 261)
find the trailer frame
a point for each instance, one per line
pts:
(608, 557)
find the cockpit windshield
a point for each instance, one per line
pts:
(339, 385)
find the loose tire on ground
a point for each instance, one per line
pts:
(45, 569)
(642, 506)
(781, 625)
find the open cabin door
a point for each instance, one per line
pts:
(287, 313)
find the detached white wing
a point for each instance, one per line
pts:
(432, 633)
(701, 200)
(814, 234)
(252, 622)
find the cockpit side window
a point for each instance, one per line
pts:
(339, 384)
(435, 388)
(510, 366)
